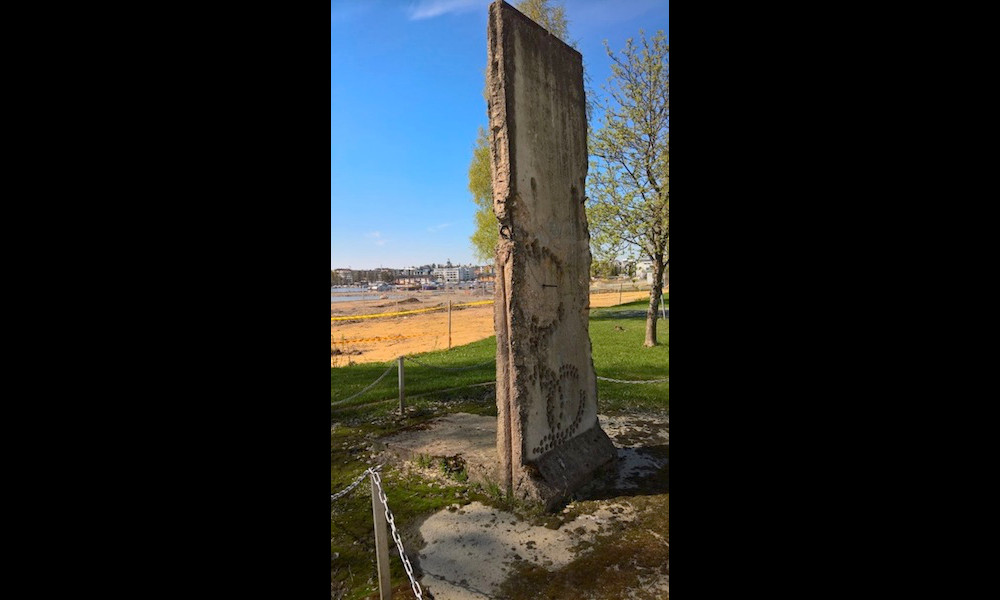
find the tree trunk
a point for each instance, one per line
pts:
(654, 301)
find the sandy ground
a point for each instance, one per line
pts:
(399, 301)
(384, 338)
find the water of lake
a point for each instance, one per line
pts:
(349, 294)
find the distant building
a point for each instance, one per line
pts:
(415, 279)
(453, 274)
(416, 271)
(644, 269)
(413, 275)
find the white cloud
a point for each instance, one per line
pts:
(426, 9)
(437, 228)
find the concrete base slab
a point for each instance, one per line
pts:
(472, 438)
(469, 551)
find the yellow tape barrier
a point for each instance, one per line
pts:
(390, 338)
(409, 312)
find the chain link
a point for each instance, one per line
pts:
(423, 364)
(623, 381)
(373, 384)
(377, 482)
(348, 489)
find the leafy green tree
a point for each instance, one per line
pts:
(602, 268)
(484, 240)
(552, 18)
(628, 204)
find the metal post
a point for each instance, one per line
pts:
(449, 324)
(402, 388)
(381, 545)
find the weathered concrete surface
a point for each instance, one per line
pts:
(548, 440)
(471, 438)
(470, 550)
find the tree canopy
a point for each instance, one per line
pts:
(484, 239)
(629, 178)
(552, 18)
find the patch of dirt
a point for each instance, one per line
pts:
(418, 299)
(382, 339)
(335, 351)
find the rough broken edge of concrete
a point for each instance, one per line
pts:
(557, 473)
(500, 171)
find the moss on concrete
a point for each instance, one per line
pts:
(627, 560)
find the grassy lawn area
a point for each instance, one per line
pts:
(347, 381)
(616, 334)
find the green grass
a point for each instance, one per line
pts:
(346, 381)
(616, 341)
(618, 353)
(352, 545)
(616, 338)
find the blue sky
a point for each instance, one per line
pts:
(406, 85)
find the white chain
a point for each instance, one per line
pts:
(377, 482)
(367, 388)
(623, 381)
(410, 358)
(348, 489)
